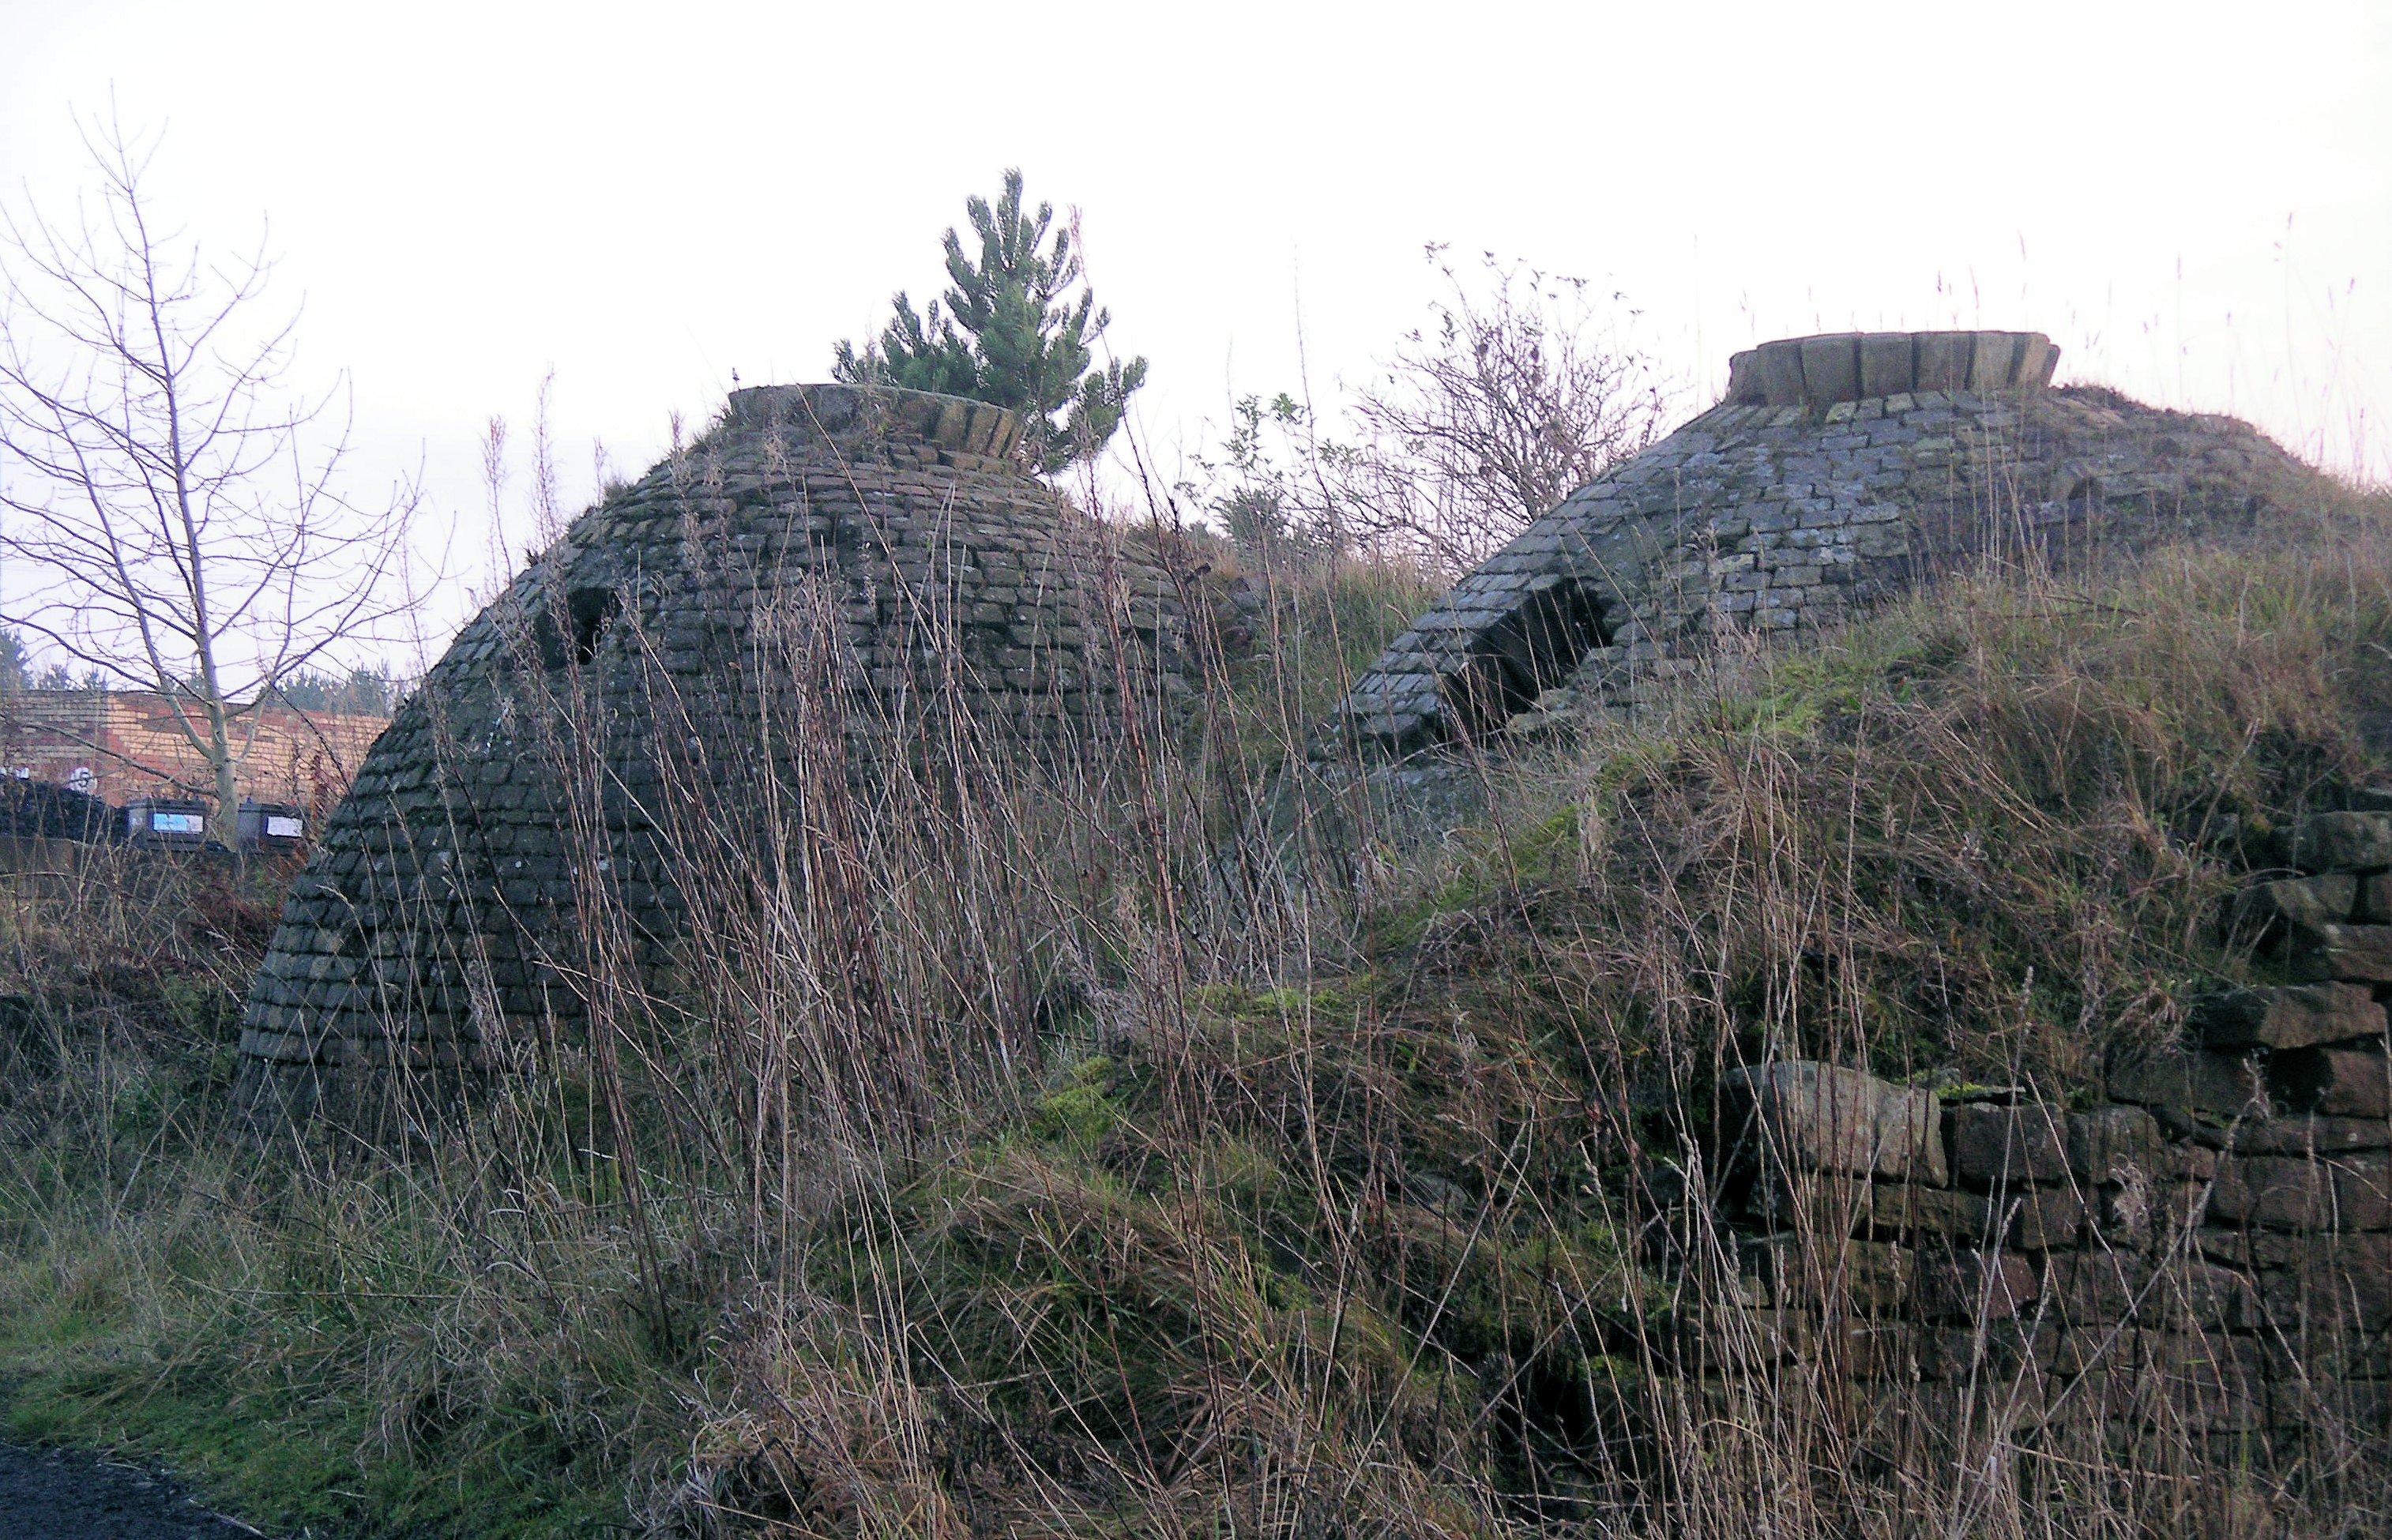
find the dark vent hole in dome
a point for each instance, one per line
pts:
(588, 613)
(1526, 654)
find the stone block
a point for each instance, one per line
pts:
(2107, 1144)
(2338, 1082)
(2096, 1287)
(2211, 1382)
(2286, 1192)
(1995, 1350)
(1756, 1338)
(1885, 363)
(2199, 1294)
(2219, 1084)
(2271, 1191)
(1831, 368)
(1744, 380)
(1823, 1117)
(2098, 1349)
(2342, 842)
(2004, 1406)
(2335, 1281)
(1780, 370)
(2036, 359)
(2353, 954)
(2375, 905)
(2006, 1147)
(2112, 1290)
(2035, 1218)
(2362, 1192)
(1943, 359)
(2295, 1017)
(1990, 366)
(1976, 1286)
(1869, 1353)
(1869, 1276)
(2310, 1133)
(2269, 907)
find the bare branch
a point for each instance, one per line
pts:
(1512, 398)
(170, 508)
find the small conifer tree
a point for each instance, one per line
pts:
(1012, 333)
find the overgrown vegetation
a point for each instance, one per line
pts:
(1144, 1186)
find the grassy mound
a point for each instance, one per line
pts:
(1278, 1213)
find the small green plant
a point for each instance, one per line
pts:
(1012, 333)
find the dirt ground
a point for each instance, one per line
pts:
(62, 1495)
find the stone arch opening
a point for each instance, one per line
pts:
(1526, 653)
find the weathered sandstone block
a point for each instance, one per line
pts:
(1804, 1270)
(2267, 910)
(2213, 1083)
(2109, 1144)
(2358, 953)
(2005, 1147)
(2310, 1133)
(2346, 1082)
(1976, 1286)
(1823, 1117)
(2342, 842)
(2294, 1017)
(2285, 1193)
(2033, 1218)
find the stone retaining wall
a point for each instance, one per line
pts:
(2203, 1249)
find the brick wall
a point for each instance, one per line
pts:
(126, 745)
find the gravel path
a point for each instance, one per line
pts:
(62, 1495)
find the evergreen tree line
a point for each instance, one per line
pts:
(370, 692)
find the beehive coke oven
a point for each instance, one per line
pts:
(1838, 470)
(871, 566)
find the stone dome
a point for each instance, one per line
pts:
(438, 912)
(1838, 470)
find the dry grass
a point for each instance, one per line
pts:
(1019, 1151)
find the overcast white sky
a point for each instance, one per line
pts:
(2194, 198)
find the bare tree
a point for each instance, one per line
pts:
(1512, 398)
(172, 513)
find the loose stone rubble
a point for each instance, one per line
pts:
(1838, 471)
(2205, 1249)
(441, 904)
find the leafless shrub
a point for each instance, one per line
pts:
(176, 518)
(1519, 390)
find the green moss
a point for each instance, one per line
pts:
(1081, 1112)
(295, 1455)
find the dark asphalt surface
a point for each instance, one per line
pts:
(63, 1494)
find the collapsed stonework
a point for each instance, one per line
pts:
(2205, 1249)
(1836, 470)
(890, 538)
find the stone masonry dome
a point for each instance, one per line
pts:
(1838, 470)
(937, 577)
